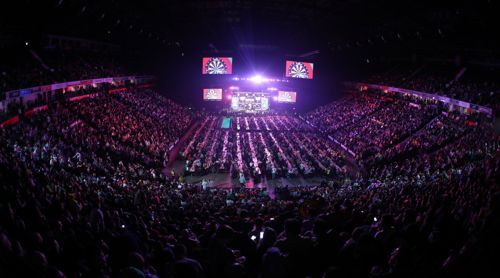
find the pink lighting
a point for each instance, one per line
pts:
(234, 88)
(229, 97)
(275, 98)
(272, 89)
(258, 79)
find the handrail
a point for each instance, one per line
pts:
(24, 92)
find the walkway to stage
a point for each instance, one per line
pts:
(172, 156)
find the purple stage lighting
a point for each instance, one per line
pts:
(257, 79)
(272, 89)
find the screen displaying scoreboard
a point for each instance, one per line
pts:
(250, 102)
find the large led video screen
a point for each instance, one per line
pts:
(249, 102)
(217, 65)
(284, 96)
(212, 94)
(299, 70)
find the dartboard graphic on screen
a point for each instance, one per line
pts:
(284, 96)
(299, 69)
(212, 94)
(217, 65)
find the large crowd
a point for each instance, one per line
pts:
(83, 193)
(470, 85)
(270, 146)
(147, 122)
(373, 122)
(343, 112)
(25, 68)
(29, 67)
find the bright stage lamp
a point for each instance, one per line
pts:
(257, 79)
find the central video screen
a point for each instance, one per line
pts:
(217, 65)
(249, 102)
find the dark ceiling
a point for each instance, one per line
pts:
(295, 25)
(354, 37)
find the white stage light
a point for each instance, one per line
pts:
(257, 79)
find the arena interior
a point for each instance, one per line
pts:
(240, 138)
